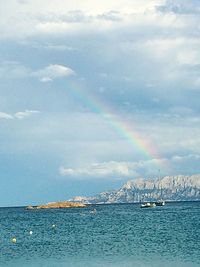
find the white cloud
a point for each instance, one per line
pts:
(25, 114)
(189, 56)
(179, 159)
(6, 116)
(15, 70)
(18, 115)
(58, 47)
(112, 169)
(177, 164)
(52, 72)
(99, 170)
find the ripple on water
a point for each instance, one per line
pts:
(117, 235)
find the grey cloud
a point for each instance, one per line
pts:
(13, 69)
(54, 46)
(180, 7)
(78, 16)
(74, 16)
(22, 1)
(111, 15)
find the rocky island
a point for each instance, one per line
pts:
(58, 205)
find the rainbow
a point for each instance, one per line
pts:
(121, 126)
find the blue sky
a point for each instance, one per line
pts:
(69, 71)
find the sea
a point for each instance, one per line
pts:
(120, 235)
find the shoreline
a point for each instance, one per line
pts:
(93, 204)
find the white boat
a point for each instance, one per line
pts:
(160, 203)
(148, 205)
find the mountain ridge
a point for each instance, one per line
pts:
(168, 188)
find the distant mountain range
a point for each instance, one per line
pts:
(168, 188)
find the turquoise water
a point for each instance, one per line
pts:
(117, 235)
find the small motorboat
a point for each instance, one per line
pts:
(160, 203)
(148, 205)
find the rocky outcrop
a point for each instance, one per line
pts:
(168, 188)
(59, 205)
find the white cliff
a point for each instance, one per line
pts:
(171, 188)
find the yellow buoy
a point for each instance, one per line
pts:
(53, 226)
(14, 239)
(31, 232)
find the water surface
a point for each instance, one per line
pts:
(117, 235)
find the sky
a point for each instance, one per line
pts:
(95, 93)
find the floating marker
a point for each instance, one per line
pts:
(93, 211)
(14, 240)
(31, 232)
(53, 226)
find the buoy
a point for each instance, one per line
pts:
(53, 226)
(93, 211)
(14, 239)
(31, 232)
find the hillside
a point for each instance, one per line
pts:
(169, 188)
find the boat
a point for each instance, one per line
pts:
(160, 203)
(148, 205)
